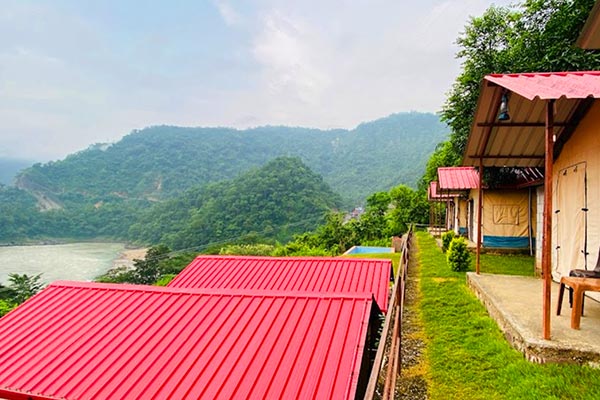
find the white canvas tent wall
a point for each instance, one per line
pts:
(545, 109)
(576, 238)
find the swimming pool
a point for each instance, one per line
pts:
(369, 250)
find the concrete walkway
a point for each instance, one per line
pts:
(515, 302)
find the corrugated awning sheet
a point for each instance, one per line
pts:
(458, 178)
(100, 341)
(519, 142)
(291, 274)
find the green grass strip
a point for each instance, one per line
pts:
(395, 257)
(467, 354)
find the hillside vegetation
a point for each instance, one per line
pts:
(161, 162)
(282, 198)
(275, 201)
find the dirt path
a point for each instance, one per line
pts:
(412, 383)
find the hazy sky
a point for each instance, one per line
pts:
(78, 72)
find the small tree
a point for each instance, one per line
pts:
(446, 239)
(148, 271)
(22, 287)
(458, 255)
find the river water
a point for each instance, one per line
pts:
(75, 261)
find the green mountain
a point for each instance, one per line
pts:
(282, 198)
(160, 162)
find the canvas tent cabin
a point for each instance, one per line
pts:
(438, 222)
(554, 121)
(455, 183)
(509, 212)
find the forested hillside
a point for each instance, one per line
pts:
(160, 162)
(280, 199)
(274, 202)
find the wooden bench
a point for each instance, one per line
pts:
(579, 287)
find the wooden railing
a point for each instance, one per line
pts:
(387, 364)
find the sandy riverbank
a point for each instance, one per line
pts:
(127, 256)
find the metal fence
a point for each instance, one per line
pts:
(387, 364)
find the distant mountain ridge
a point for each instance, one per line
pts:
(161, 162)
(273, 202)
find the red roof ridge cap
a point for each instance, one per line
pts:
(214, 292)
(288, 258)
(530, 74)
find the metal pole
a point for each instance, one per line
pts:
(547, 237)
(529, 219)
(479, 217)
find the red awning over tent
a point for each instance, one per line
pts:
(519, 142)
(551, 85)
(102, 341)
(457, 178)
(290, 274)
(433, 194)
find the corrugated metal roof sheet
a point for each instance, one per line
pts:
(520, 141)
(100, 341)
(458, 178)
(434, 195)
(304, 274)
(551, 85)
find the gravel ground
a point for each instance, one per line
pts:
(412, 384)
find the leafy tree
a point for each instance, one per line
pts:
(22, 286)
(281, 199)
(537, 36)
(148, 271)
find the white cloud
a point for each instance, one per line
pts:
(68, 79)
(228, 13)
(290, 55)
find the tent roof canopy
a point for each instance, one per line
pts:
(77, 340)
(289, 274)
(458, 178)
(519, 142)
(434, 195)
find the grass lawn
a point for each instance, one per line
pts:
(506, 264)
(466, 354)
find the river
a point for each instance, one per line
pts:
(75, 261)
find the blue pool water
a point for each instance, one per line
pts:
(369, 250)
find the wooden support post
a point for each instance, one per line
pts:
(479, 218)
(547, 227)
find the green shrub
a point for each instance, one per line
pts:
(458, 256)
(446, 239)
(165, 280)
(6, 306)
(247, 249)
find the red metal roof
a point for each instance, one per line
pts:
(551, 85)
(434, 195)
(303, 274)
(519, 142)
(458, 178)
(103, 341)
